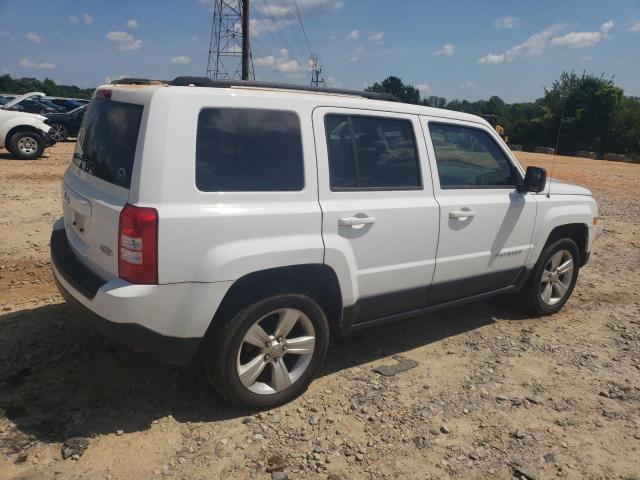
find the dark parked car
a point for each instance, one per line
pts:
(67, 104)
(65, 125)
(36, 105)
(6, 98)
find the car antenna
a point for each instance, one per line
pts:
(563, 97)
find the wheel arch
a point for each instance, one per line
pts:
(578, 232)
(22, 128)
(318, 280)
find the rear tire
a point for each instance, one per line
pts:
(553, 278)
(251, 361)
(26, 145)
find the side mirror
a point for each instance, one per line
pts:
(534, 180)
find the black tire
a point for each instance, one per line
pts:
(220, 351)
(531, 294)
(26, 145)
(59, 132)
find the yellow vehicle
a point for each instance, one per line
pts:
(493, 120)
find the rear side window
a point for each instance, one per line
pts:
(469, 158)
(248, 150)
(371, 153)
(107, 140)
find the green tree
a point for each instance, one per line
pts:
(590, 104)
(394, 86)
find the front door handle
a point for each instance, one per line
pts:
(462, 214)
(355, 222)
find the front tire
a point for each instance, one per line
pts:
(269, 352)
(553, 278)
(26, 145)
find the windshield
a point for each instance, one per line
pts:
(107, 140)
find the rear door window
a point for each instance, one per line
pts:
(371, 153)
(107, 140)
(248, 150)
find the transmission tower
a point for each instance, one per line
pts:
(225, 46)
(316, 71)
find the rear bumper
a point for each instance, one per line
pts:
(171, 350)
(168, 321)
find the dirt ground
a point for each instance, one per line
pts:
(495, 394)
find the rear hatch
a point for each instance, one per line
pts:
(96, 186)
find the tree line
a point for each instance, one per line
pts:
(597, 116)
(48, 86)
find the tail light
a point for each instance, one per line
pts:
(138, 245)
(104, 93)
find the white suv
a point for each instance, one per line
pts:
(250, 222)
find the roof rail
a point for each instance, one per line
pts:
(207, 82)
(137, 81)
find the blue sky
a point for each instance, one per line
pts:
(456, 49)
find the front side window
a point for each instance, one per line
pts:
(469, 158)
(248, 150)
(371, 153)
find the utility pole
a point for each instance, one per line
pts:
(316, 71)
(245, 39)
(228, 45)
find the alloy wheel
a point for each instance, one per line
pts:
(556, 277)
(58, 132)
(276, 351)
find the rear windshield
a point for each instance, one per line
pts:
(107, 140)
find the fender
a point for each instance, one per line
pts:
(19, 120)
(558, 211)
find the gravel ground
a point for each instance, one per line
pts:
(490, 391)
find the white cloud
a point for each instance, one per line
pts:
(85, 18)
(447, 49)
(117, 36)
(133, 23)
(359, 49)
(534, 45)
(4, 34)
(319, 6)
(584, 39)
(506, 22)
(635, 27)
(26, 63)
(354, 35)
(588, 58)
(273, 10)
(423, 87)
(263, 25)
(34, 37)
(194, 38)
(377, 37)
(135, 45)
(181, 59)
(282, 63)
(125, 41)
(469, 84)
(333, 37)
(354, 59)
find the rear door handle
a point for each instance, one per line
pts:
(355, 222)
(462, 214)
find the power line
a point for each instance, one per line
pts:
(295, 3)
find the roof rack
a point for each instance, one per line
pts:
(207, 82)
